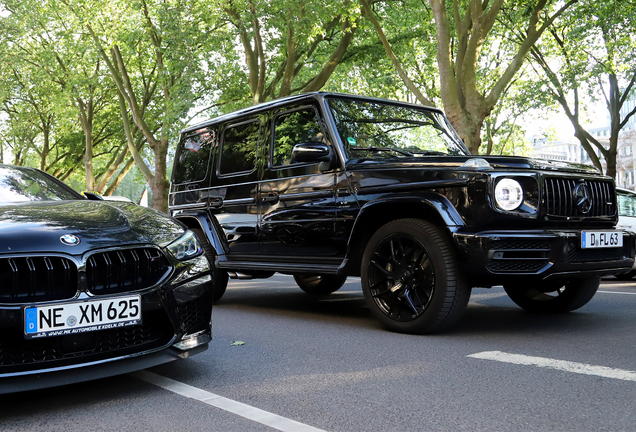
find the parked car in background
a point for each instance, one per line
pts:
(324, 186)
(92, 288)
(626, 221)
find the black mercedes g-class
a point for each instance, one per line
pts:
(323, 186)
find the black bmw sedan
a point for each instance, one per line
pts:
(92, 288)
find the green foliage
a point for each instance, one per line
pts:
(188, 59)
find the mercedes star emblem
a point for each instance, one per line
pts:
(583, 198)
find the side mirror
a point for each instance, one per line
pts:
(92, 196)
(312, 151)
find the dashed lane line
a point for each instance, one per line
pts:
(246, 411)
(567, 366)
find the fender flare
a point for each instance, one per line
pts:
(209, 225)
(434, 202)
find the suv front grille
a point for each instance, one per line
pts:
(37, 278)
(125, 270)
(560, 199)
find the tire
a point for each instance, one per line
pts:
(219, 277)
(319, 284)
(626, 276)
(573, 295)
(410, 278)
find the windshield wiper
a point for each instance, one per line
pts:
(382, 149)
(428, 152)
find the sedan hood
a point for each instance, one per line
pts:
(39, 225)
(512, 163)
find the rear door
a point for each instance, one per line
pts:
(233, 196)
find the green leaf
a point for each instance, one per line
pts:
(237, 343)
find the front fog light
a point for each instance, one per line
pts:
(186, 247)
(508, 194)
(193, 340)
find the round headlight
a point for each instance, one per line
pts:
(508, 194)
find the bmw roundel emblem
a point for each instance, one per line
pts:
(70, 240)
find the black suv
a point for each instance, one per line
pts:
(323, 186)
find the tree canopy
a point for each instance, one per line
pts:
(89, 89)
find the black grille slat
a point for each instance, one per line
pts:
(560, 199)
(125, 270)
(516, 266)
(603, 254)
(195, 314)
(35, 279)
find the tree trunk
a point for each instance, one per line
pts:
(161, 185)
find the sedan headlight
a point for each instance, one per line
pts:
(186, 247)
(508, 194)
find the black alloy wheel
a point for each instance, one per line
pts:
(319, 284)
(574, 294)
(219, 277)
(410, 278)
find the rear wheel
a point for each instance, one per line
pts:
(573, 295)
(319, 284)
(410, 278)
(219, 277)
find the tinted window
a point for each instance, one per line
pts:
(17, 185)
(374, 130)
(193, 155)
(294, 128)
(240, 143)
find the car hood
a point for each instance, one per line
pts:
(512, 163)
(38, 226)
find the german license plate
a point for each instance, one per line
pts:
(82, 316)
(601, 239)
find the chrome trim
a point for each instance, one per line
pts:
(202, 204)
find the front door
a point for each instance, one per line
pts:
(297, 200)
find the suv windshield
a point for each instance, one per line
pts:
(17, 185)
(377, 130)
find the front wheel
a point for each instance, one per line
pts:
(319, 284)
(573, 295)
(626, 276)
(219, 277)
(410, 278)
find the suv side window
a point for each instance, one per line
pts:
(238, 151)
(191, 160)
(291, 128)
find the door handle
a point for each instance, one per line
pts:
(270, 197)
(216, 202)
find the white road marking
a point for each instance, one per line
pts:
(616, 292)
(238, 408)
(567, 366)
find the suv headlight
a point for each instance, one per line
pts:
(186, 247)
(508, 194)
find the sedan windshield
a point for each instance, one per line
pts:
(18, 185)
(377, 130)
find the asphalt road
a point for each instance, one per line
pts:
(324, 362)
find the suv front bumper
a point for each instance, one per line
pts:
(498, 257)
